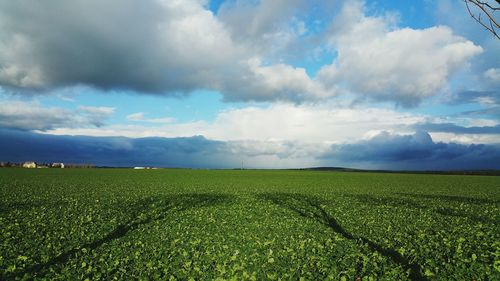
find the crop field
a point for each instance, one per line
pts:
(122, 224)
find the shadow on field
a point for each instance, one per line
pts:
(143, 212)
(311, 208)
(452, 198)
(412, 204)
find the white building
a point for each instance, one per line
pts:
(58, 165)
(29, 164)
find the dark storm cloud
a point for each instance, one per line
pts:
(386, 151)
(415, 152)
(156, 47)
(144, 46)
(193, 152)
(100, 43)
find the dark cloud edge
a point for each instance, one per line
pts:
(386, 151)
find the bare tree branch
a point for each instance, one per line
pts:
(489, 6)
(488, 9)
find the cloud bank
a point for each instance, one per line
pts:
(416, 152)
(176, 47)
(384, 151)
(327, 123)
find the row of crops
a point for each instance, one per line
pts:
(105, 224)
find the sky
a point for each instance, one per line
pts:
(403, 85)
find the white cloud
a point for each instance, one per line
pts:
(266, 27)
(493, 74)
(277, 122)
(140, 117)
(306, 125)
(465, 139)
(483, 122)
(378, 61)
(451, 13)
(283, 82)
(278, 149)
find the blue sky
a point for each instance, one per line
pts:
(277, 83)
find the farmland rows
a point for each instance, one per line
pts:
(182, 224)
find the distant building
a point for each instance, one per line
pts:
(139, 168)
(58, 165)
(29, 164)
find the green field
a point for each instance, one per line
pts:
(123, 224)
